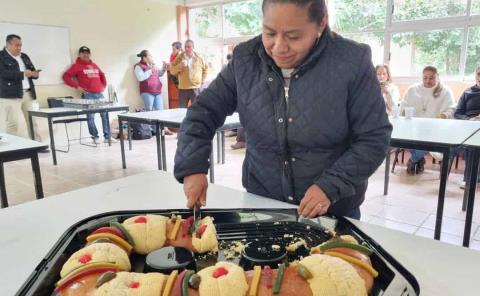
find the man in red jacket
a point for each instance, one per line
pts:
(85, 76)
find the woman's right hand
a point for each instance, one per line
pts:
(195, 188)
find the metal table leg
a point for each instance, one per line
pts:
(441, 193)
(30, 126)
(37, 175)
(3, 190)
(108, 127)
(470, 188)
(223, 146)
(129, 135)
(122, 144)
(52, 141)
(387, 172)
(212, 167)
(158, 137)
(219, 149)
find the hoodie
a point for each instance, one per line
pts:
(469, 103)
(87, 75)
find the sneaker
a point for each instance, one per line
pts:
(96, 140)
(238, 145)
(112, 140)
(463, 184)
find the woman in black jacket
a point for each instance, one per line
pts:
(311, 105)
(468, 108)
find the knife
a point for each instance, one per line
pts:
(197, 216)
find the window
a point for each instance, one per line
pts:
(212, 52)
(242, 18)
(411, 52)
(420, 33)
(406, 10)
(355, 16)
(205, 22)
(375, 40)
(473, 52)
(475, 7)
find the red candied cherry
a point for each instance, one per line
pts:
(219, 272)
(85, 258)
(141, 220)
(134, 285)
(201, 230)
(190, 220)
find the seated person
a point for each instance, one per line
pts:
(468, 108)
(390, 91)
(430, 99)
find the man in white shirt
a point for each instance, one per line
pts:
(17, 91)
(429, 99)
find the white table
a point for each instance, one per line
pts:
(173, 118)
(51, 113)
(28, 231)
(431, 134)
(14, 148)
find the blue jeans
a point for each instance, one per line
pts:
(92, 128)
(417, 155)
(152, 101)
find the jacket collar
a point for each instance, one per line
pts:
(312, 57)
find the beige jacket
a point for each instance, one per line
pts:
(187, 80)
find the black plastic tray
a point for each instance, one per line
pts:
(233, 225)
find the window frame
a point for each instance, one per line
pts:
(391, 27)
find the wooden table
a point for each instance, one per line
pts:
(51, 113)
(14, 148)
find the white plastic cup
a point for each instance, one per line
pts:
(409, 112)
(395, 111)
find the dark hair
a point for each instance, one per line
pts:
(143, 53)
(177, 45)
(316, 8)
(190, 41)
(10, 37)
(229, 56)
(438, 89)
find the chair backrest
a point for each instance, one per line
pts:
(56, 102)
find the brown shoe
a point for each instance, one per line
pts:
(238, 145)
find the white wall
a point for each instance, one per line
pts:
(115, 31)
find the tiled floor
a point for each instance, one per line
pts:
(409, 207)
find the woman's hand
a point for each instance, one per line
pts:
(314, 203)
(384, 87)
(195, 188)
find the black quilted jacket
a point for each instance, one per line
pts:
(11, 77)
(334, 131)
